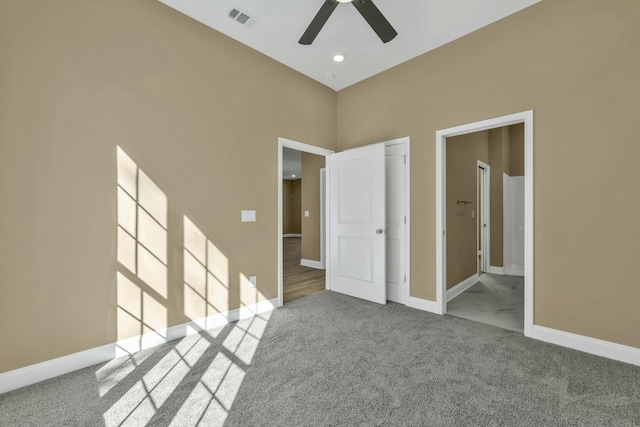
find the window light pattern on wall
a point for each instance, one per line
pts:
(142, 250)
(206, 276)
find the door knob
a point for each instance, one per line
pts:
(379, 231)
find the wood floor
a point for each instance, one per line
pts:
(298, 281)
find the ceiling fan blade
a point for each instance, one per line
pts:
(318, 22)
(376, 19)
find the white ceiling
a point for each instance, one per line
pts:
(422, 25)
(291, 163)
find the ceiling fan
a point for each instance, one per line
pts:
(367, 9)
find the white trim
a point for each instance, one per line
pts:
(323, 186)
(496, 270)
(525, 117)
(528, 223)
(406, 140)
(32, 374)
(407, 199)
(590, 345)
(441, 222)
(514, 270)
(311, 263)
(283, 142)
(462, 286)
(424, 305)
(292, 235)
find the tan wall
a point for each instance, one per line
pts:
(579, 75)
(463, 152)
(198, 112)
(506, 150)
(311, 165)
(498, 143)
(291, 202)
(516, 150)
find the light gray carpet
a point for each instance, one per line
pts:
(332, 360)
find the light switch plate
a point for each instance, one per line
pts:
(306, 214)
(248, 216)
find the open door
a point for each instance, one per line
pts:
(356, 223)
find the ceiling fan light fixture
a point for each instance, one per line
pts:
(339, 57)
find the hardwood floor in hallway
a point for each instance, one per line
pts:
(298, 281)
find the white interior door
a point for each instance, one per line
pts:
(396, 222)
(356, 223)
(484, 209)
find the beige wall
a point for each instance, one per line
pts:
(516, 150)
(498, 139)
(575, 63)
(291, 203)
(503, 160)
(463, 153)
(199, 113)
(311, 165)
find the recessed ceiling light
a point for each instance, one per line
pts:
(339, 57)
(345, 1)
(293, 175)
(330, 76)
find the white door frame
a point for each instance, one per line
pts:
(323, 197)
(407, 200)
(312, 149)
(484, 210)
(525, 117)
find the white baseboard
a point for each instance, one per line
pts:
(514, 270)
(424, 305)
(495, 270)
(590, 345)
(292, 235)
(32, 374)
(311, 263)
(461, 287)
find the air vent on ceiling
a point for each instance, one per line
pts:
(242, 17)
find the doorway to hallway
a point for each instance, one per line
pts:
(298, 280)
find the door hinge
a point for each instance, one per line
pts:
(405, 278)
(405, 219)
(404, 158)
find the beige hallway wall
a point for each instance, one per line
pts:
(516, 150)
(575, 63)
(463, 153)
(311, 165)
(199, 113)
(291, 202)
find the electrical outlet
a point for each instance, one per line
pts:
(253, 281)
(248, 216)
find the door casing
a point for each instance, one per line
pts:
(525, 117)
(295, 145)
(312, 149)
